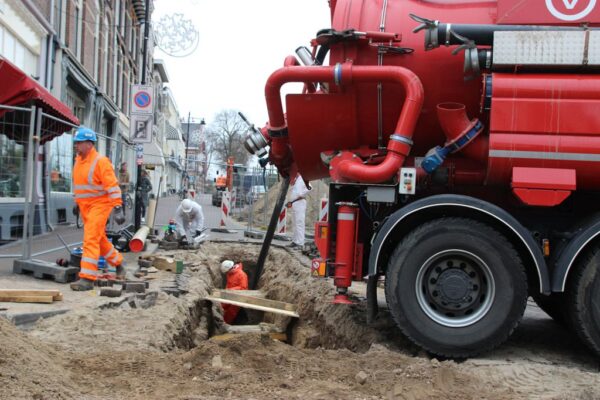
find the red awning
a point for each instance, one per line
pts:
(19, 90)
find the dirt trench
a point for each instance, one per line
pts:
(160, 346)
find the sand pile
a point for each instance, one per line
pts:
(30, 369)
(158, 346)
(320, 189)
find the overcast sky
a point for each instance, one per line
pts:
(241, 43)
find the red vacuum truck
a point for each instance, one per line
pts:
(462, 140)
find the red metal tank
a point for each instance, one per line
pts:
(354, 112)
(384, 98)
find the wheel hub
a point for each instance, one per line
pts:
(453, 288)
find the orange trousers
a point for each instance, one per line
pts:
(95, 242)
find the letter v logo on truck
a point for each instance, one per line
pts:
(573, 9)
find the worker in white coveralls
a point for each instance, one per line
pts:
(189, 219)
(298, 206)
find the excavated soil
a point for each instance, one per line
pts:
(156, 346)
(319, 189)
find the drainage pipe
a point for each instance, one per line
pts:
(137, 243)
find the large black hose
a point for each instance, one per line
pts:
(264, 251)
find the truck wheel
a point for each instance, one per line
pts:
(456, 287)
(583, 300)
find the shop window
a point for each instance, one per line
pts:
(16, 226)
(12, 171)
(61, 163)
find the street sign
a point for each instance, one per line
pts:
(142, 98)
(140, 128)
(139, 154)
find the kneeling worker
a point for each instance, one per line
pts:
(236, 280)
(189, 219)
(97, 192)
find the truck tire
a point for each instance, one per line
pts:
(583, 300)
(456, 287)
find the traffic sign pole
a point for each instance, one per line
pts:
(150, 106)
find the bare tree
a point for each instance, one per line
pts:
(226, 135)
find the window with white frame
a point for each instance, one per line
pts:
(16, 52)
(105, 56)
(78, 28)
(62, 20)
(115, 63)
(120, 81)
(117, 14)
(132, 47)
(97, 22)
(122, 19)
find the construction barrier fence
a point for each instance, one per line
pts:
(36, 197)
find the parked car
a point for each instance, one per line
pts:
(255, 193)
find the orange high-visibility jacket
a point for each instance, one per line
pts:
(94, 180)
(236, 280)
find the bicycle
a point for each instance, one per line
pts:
(127, 201)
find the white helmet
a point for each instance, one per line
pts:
(186, 205)
(226, 266)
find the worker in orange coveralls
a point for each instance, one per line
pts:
(97, 192)
(236, 280)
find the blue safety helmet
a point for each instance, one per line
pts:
(84, 134)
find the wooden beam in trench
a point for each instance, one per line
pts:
(252, 302)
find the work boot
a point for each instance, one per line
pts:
(120, 271)
(82, 285)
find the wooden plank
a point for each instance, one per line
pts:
(236, 296)
(262, 328)
(26, 299)
(56, 294)
(228, 336)
(253, 306)
(28, 292)
(253, 293)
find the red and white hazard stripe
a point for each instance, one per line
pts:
(233, 198)
(282, 221)
(324, 211)
(225, 206)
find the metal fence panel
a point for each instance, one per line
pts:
(36, 198)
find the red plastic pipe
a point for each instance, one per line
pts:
(348, 74)
(455, 123)
(453, 120)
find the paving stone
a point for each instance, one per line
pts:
(135, 287)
